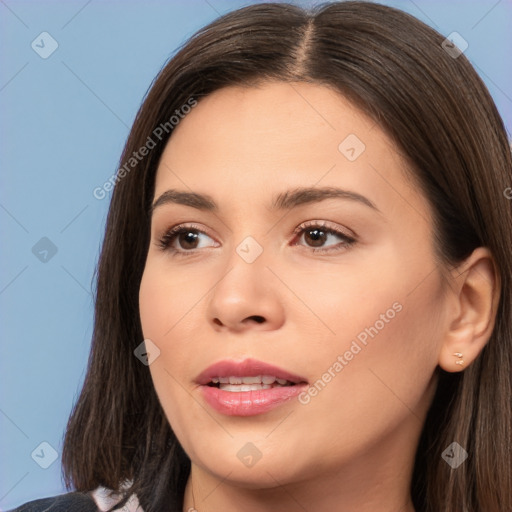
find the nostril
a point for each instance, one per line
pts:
(257, 318)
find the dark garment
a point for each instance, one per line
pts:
(70, 502)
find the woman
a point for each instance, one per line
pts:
(304, 296)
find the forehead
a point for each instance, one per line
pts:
(261, 120)
(253, 141)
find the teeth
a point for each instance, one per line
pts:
(239, 382)
(251, 380)
(244, 387)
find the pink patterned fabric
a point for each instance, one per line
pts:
(106, 498)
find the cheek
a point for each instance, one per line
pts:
(166, 299)
(388, 304)
(374, 374)
(168, 304)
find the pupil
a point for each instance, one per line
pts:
(189, 237)
(317, 239)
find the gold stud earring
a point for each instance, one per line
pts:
(459, 355)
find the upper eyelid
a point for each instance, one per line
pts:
(307, 223)
(328, 225)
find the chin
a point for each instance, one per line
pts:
(251, 465)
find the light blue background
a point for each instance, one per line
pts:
(64, 121)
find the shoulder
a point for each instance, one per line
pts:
(70, 502)
(98, 500)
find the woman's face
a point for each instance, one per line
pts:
(343, 295)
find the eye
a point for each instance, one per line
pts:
(317, 233)
(188, 237)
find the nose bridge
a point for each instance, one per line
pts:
(248, 239)
(250, 250)
(245, 289)
(245, 266)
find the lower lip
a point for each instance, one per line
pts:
(249, 403)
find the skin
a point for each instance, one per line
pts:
(352, 446)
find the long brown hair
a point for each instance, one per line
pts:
(445, 124)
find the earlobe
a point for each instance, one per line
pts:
(476, 291)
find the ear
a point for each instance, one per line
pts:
(472, 305)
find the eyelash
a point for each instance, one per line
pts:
(169, 236)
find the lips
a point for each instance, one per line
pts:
(246, 368)
(248, 387)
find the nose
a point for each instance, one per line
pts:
(247, 296)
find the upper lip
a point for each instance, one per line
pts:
(245, 368)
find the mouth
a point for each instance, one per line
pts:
(248, 387)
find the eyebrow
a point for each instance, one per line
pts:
(283, 201)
